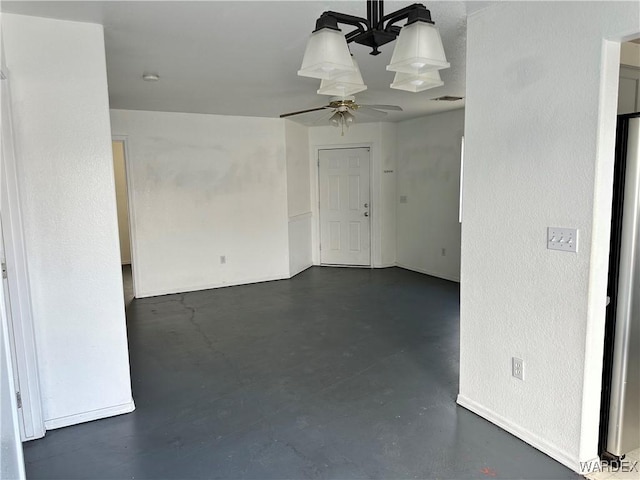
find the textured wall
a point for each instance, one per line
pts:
(298, 180)
(205, 186)
(429, 179)
(63, 148)
(539, 130)
(298, 196)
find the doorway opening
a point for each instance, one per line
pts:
(619, 432)
(344, 179)
(124, 223)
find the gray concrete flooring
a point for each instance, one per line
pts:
(338, 373)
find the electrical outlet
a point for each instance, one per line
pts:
(404, 199)
(517, 368)
(223, 259)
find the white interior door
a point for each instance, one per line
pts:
(345, 213)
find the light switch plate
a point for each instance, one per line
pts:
(563, 239)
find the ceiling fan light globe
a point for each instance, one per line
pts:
(326, 56)
(348, 118)
(417, 83)
(418, 50)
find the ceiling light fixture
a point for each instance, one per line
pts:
(344, 86)
(419, 49)
(342, 118)
(417, 83)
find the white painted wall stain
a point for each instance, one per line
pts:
(206, 186)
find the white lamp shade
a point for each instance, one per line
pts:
(344, 86)
(418, 50)
(417, 83)
(327, 55)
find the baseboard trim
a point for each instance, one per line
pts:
(212, 286)
(386, 265)
(300, 270)
(545, 447)
(427, 272)
(60, 422)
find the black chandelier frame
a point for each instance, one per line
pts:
(377, 29)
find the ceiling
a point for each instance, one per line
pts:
(242, 58)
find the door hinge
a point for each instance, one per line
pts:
(19, 399)
(4, 270)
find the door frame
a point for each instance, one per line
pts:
(12, 445)
(315, 204)
(133, 244)
(19, 313)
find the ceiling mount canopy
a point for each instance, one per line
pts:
(377, 29)
(419, 49)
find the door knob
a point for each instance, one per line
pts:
(366, 205)
(366, 214)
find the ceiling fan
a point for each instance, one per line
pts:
(340, 111)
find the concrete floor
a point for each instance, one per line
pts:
(337, 373)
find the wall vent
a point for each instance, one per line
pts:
(447, 98)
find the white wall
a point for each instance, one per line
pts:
(205, 186)
(429, 179)
(298, 197)
(381, 137)
(63, 150)
(539, 140)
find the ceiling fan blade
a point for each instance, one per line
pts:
(303, 111)
(323, 117)
(371, 112)
(384, 107)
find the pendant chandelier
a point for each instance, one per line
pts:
(416, 59)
